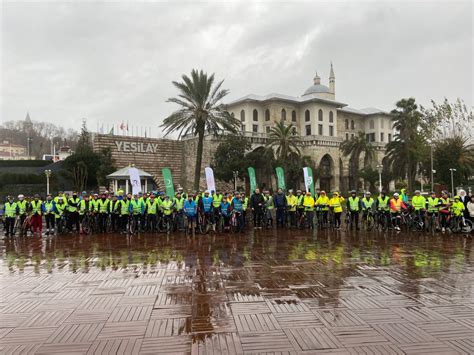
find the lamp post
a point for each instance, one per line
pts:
(48, 175)
(236, 175)
(432, 170)
(380, 169)
(452, 170)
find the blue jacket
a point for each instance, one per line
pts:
(190, 208)
(279, 200)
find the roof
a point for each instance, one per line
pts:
(293, 99)
(12, 145)
(316, 89)
(124, 174)
(364, 111)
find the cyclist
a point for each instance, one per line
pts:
(299, 207)
(335, 203)
(245, 206)
(167, 207)
(396, 206)
(207, 208)
(279, 201)
(268, 209)
(367, 204)
(190, 210)
(151, 208)
(225, 209)
(291, 203)
(257, 203)
(123, 207)
(404, 196)
(10, 211)
(237, 208)
(50, 214)
(216, 203)
(383, 208)
(353, 207)
(85, 207)
(178, 206)
(37, 209)
(433, 206)
(322, 207)
(73, 215)
(419, 204)
(308, 204)
(60, 210)
(457, 208)
(23, 207)
(102, 208)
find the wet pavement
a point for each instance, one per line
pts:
(265, 292)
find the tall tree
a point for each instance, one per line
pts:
(230, 157)
(408, 148)
(284, 140)
(201, 111)
(354, 148)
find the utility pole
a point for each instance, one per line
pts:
(452, 170)
(380, 169)
(432, 169)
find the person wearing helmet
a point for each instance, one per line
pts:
(61, 207)
(23, 207)
(73, 212)
(322, 209)
(383, 209)
(308, 204)
(457, 207)
(396, 207)
(353, 207)
(404, 196)
(335, 203)
(367, 204)
(37, 210)
(190, 211)
(432, 207)
(291, 204)
(419, 204)
(50, 214)
(10, 211)
(444, 210)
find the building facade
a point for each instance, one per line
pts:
(323, 124)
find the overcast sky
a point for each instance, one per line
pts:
(114, 61)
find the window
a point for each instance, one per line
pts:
(320, 129)
(352, 135)
(371, 124)
(382, 123)
(389, 137)
(255, 115)
(307, 116)
(308, 130)
(381, 137)
(320, 115)
(347, 124)
(331, 117)
(352, 124)
(370, 137)
(242, 116)
(283, 115)
(293, 116)
(267, 115)
(267, 129)
(255, 128)
(347, 136)
(331, 131)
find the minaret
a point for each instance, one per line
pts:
(332, 82)
(317, 79)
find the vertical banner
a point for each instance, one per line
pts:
(280, 177)
(168, 182)
(211, 183)
(308, 179)
(135, 180)
(253, 179)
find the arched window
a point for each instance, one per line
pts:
(382, 123)
(352, 124)
(267, 115)
(320, 115)
(331, 117)
(242, 116)
(293, 116)
(347, 124)
(283, 115)
(372, 124)
(255, 115)
(307, 116)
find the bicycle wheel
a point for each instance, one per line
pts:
(85, 225)
(467, 226)
(370, 222)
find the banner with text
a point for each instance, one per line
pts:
(308, 179)
(135, 181)
(253, 179)
(280, 177)
(168, 182)
(211, 183)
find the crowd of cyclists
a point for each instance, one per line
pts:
(213, 211)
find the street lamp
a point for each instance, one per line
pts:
(236, 175)
(380, 169)
(48, 175)
(452, 170)
(432, 170)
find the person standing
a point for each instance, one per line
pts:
(335, 203)
(308, 204)
(257, 203)
(353, 206)
(322, 205)
(190, 210)
(470, 209)
(291, 203)
(50, 214)
(10, 211)
(396, 206)
(37, 210)
(269, 206)
(279, 201)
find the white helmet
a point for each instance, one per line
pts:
(21, 197)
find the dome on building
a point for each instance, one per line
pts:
(316, 89)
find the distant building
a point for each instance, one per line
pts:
(61, 154)
(10, 151)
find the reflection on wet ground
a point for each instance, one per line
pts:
(265, 292)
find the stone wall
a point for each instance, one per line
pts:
(148, 154)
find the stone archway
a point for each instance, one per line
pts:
(326, 173)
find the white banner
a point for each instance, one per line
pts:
(211, 184)
(135, 180)
(308, 180)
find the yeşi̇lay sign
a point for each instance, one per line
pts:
(136, 147)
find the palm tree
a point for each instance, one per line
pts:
(457, 153)
(285, 139)
(201, 111)
(354, 147)
(408, 147)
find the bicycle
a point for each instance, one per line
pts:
(235, 222)
(382, 220)
(432, 222)
(458, 224)
(368, 220)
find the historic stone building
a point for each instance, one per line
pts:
(321, 121)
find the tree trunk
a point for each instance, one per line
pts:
(197, 169)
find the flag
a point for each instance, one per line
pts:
(135, 180)
(280, 177)
(211, 183)
(127, 127)
(122, 126)
(168, 182)
(253, 179)
(308, 179)
(101, 131)
(111, 132)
